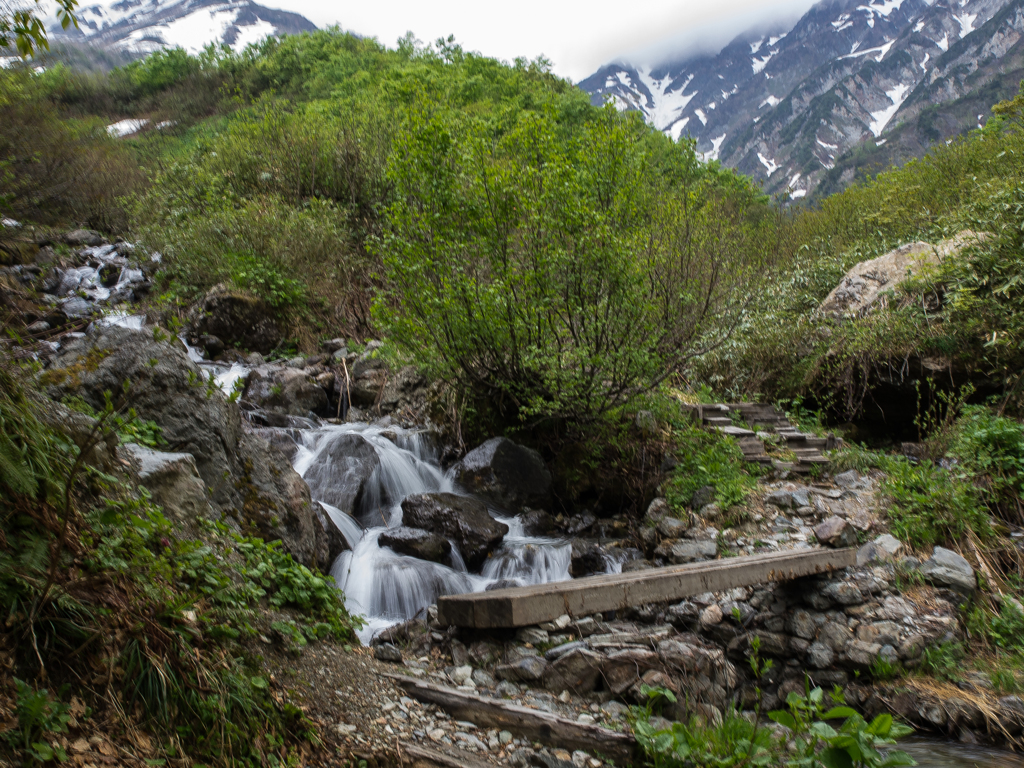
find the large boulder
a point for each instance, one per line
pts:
(462, 519)
(418, 543)
(238, 319)
(285, 390)
(251, 484)
(508, 474)
(173, 482)
(343, 473)
(867, 283)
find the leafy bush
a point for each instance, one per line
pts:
(548, 273)
(992, 448)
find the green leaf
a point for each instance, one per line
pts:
(897, 758)
(834, 757)
(783, 718)
(259, 682)
(823, 730)
(839, 712)
(881, 725)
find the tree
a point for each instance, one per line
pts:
(23, 27)
(553, 272)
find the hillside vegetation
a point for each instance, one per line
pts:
(562, 272)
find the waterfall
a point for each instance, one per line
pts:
(381, 585)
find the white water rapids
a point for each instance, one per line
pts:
(382, 585)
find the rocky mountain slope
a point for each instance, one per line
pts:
(144, 26)
(791, 106)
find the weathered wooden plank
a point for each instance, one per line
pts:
(525, 606)
(534, 724)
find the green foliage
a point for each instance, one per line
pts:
(932, 505)
(22, 26)
(40, 716)
(991, 447)
(706, 458)
(853, 744)
(944, 661)
(1004, 629)
(554, 274)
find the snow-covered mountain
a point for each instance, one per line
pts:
(787, 105)
(143, 26)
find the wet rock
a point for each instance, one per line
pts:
(948, 569)
(214, 346)
(587, 557)
(173, 482)
(577, 671)
(463, 519)
(508, 474)
(342, 472)
(416, 542)
(387, 652)
(77, 307)
(251, 484)
(537, 522)
(39, 326)
(835, 532)
(238, 319)
(532, 635)
(287, 391)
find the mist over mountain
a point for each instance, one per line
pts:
(809, 104)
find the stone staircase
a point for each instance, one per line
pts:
(806, 447)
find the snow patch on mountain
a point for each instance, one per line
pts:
(668, 104)
(770, 166)
(880, 119)
(716, 147)
(771, 101)
(943, 44)
(966, 22)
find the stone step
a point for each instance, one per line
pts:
(526, 606)
(818, 459)
(717, 421)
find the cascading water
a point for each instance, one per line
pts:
(380, 584)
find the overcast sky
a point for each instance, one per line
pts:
(578, 37)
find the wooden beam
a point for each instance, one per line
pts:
(532, 724)
(526, 606)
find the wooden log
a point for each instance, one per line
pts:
(416, 756)
(532, 724)
(525, 606)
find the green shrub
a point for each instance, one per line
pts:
(930, 505)
(555, 275)
(706, 458)
(992, 448)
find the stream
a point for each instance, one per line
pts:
(934, 753)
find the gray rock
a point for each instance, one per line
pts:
(532, 635)
(781, 499)
(287, 391)
(39, 326)
(801, 624)
(387, 652)
(860, 655)
(77, 307)
(820, 656)
(885, 547)
(483, 678)
(251, 484)
(507, 473)
(331, 346)
(173, 482)
(843, 593)
(507, 689)
(656, 510)
(341, 475)
(847, 480)
(87, 237)
(672, 528)
(948, 569)
(560, 650)
(418, 543)
(678, 552)
(836, 532)
(529, 669)
(462, 519)
(577, 671)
